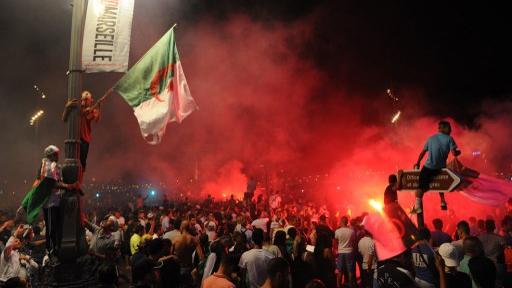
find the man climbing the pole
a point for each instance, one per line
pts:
(438, 146)
(89, 111)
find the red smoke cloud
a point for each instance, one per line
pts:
(251, 88)
(262, 103)
(382, 150)
(229, 181)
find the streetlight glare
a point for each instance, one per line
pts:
(36, 117)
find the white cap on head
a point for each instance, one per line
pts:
(450, 254)
(50, 150)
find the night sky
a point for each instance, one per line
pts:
(456, 55)
(459, 52)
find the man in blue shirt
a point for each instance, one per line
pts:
(438, 236)
(423, 257)
(438, 147)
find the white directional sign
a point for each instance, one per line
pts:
(445, 181)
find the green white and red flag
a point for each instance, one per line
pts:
(157, 90)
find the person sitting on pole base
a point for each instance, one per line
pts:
(88, 113)
(438, 146)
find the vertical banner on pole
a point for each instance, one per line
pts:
(106, 41)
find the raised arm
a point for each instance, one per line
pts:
(151, 227)
(91, 226)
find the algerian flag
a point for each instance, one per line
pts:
(36, 198)
(157, 90)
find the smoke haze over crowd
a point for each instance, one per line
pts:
(296, 90)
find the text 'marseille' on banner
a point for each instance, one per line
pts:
(106, 42)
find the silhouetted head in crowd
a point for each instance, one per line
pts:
(344, 221)
(138, 229)
(481, 225)
(445, 127)
(185, 227)
(490, 226)
(463, 229)
(278, 273)
(280, 238)
(323, 219)
(257, 237)
(177, 224)
(239, 237)
(292, 233)
(392, 179)
(438, 224)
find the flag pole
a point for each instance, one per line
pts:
(109, 91)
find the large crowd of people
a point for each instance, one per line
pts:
(261, 243)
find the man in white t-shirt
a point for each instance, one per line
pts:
(211, 223)
(345, 259)
(253, 263)
(366, 247)
(165, 221)
(174, 233)
(261, 222)
(210, 226)
(13, 264)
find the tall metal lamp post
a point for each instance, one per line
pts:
(69, 273)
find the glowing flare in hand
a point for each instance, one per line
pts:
(396, 117)
(376, 205)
